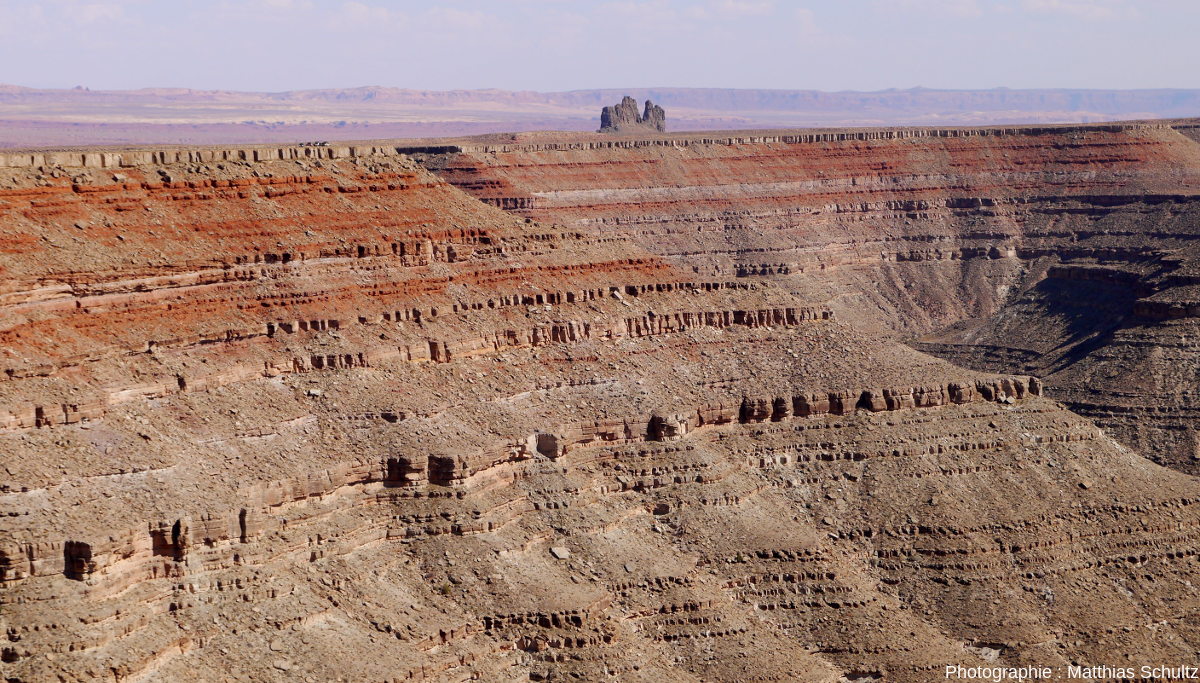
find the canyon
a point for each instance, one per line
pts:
(821, 405)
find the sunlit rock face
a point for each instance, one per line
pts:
(769, 406)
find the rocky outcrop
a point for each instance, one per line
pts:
(624, 118)
(654, 117)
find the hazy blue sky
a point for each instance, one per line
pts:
(575, 44)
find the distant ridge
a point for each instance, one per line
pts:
(33, 116)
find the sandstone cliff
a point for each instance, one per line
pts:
(625, 407)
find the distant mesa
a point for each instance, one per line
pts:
(623, 118)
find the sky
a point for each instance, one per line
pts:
(554, 45)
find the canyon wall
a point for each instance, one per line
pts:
(1061, 251)
(636, 408)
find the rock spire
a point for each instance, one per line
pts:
(624, 118)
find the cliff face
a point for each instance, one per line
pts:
(626, 407)
(1065, 252)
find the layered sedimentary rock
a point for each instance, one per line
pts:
(1065, 252)
(635, 409)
